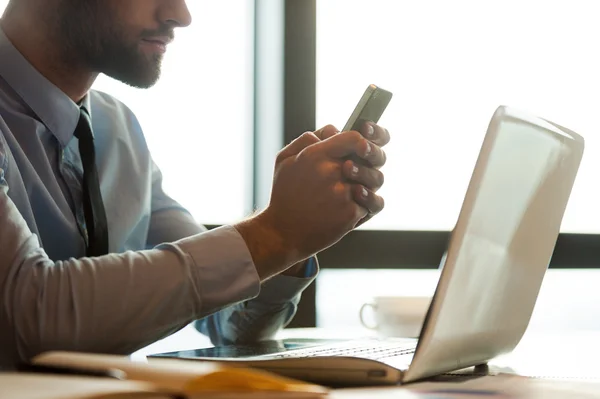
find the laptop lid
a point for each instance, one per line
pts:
(501, 245)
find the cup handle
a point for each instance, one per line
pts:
(361, 315)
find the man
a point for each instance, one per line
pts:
(94, 256)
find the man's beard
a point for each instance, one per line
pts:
(128, 65)
(92, 37)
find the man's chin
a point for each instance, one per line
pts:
(145, 82)
(141, 78)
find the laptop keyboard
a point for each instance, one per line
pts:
(374, 350)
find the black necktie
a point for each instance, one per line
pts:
(95, 217)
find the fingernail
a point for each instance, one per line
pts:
(368, 148)
(365, 193)
(354, 170)
(370, 130)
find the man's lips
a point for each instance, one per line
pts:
(164, 40)
(157, 43)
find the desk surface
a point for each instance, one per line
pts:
(554, 358)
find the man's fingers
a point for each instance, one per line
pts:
(351, 143)
(363, 220)
(374, 156)
(371, 131)
(294, 148)
(367, 199)
(306, 139)
(346, 143)
(326, 132)
(361, 174)
(375, 133)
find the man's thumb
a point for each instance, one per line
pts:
(306, 139)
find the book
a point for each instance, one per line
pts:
(171, 378)
(49, 386)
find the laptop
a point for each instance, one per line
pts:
(497, 256)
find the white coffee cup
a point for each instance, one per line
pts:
(396, 316)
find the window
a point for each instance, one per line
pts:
(449, 65)
(198, 118)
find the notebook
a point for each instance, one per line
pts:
(159, 379)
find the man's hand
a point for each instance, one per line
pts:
(318, 196)
(363, 171)
(371, 131)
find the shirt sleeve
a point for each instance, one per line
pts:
(116, 303)
(247, 321)
(261, 318)
(169, 221)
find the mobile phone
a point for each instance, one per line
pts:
(370, 108)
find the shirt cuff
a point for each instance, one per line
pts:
(224, 271)
(311, 268)
(282, 289)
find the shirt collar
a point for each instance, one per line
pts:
(52, 106)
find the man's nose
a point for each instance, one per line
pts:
(175, 13)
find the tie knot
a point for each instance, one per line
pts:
(83, 131)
